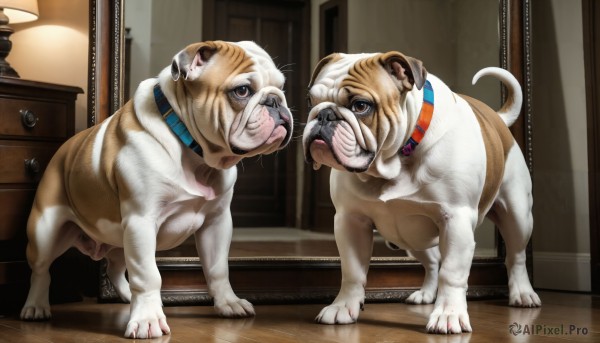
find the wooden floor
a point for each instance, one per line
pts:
(395, 322)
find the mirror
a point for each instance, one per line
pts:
(282, 213)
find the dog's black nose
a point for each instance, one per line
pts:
(272, 101)
(326, 115)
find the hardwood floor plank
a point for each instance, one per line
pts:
(89, 321)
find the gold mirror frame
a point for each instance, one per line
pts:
(304, 279)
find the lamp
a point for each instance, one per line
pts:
(17, 11)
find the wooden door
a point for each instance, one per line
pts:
(265, 190)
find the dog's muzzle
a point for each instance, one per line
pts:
(281, 117)
(280, 114)
(323, 130)
(321, 136)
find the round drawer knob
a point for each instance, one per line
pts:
(32, 166)
(28, 118)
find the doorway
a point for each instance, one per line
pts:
(265, 191)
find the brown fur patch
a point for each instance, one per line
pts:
(498, 141)
(368, 78)
(210, 103)
(236, 62)
(95, 197)
(70, 179)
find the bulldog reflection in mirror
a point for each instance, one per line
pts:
(424, 166)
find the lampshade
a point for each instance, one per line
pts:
(20, 11)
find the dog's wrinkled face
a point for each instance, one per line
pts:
(357, 121)
(234, 100)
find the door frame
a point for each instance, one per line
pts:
(591, 52)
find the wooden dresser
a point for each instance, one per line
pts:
(35, 119)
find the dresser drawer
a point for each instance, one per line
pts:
(31, 118)
(24, 162)
(15, 205)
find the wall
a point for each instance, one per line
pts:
(438, 32)
(314, 32)
(140, 25)
(55, 49)
(475, 39)
(384, 25)
(561, 209)
(160, 29)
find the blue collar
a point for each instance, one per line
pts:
(172, 119)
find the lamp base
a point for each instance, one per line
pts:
(6, 70)
(5, 46)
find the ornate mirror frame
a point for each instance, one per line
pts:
(303, 279)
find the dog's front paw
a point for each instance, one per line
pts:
(340, 313)
(147, 328)
(36, 312)
(147, 320)
(449, 318)
(236, 308)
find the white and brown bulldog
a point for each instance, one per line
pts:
(424, 166)
(159, 170)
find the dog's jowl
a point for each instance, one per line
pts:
(156, 172)
(424, 166)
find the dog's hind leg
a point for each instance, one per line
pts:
(430, 259)
(512, 213)
(50, 235)
(115, 270)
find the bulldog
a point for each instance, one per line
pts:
(424, 166)
(159, 170)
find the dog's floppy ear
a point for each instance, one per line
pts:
(404, 70)
(190, 60)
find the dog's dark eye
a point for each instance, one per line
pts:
(242, 92)
(361, 107)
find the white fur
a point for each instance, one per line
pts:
(510, 114)
(99, 141)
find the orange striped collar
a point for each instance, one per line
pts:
(422, 123)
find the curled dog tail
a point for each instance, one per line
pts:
(512, 107)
